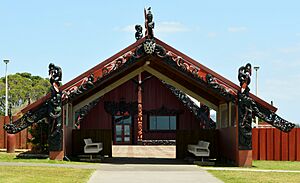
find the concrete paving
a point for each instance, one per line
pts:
(148, 164)
(150, 173)
(140, 151)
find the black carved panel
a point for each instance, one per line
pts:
(201, 113)
(244, 122)
(163, 111)
(121, 107)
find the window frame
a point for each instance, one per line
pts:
(163, 130)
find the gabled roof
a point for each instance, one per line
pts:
(97, 71)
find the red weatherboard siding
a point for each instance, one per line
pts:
(98, 118)
(262, 145)
(277, 145)
(292, 145)
(298, 144)
(284, 147)
(272, 144)
(255, 147)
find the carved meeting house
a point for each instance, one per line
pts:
(143, 95)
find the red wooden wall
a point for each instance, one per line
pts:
(154, 96)
(21, 137)
(272, 144)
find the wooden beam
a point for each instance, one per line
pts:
(180, 87)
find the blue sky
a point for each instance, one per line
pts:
(221, 35)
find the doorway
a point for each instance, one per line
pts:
(122, 130)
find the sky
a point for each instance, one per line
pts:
(222, 35)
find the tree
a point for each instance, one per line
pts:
(23, 89)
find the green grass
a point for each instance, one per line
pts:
(229, 176)
(255, 177)
(270, 165)
(11, 157)
(43, 174)
(276, 165)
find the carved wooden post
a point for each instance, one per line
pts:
(140, 111)
(55, 138)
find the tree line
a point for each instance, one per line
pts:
(23, 89)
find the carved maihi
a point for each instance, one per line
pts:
(199, 112)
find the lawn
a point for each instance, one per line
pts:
(255, 177)
(43, 174)
(11, 157)
(276, 165)
(229, 176)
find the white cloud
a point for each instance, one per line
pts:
(212, 34)
(170, 27)
(68, 24)
(237, 29)
(128, 28)
(292, 49)
(161, 27)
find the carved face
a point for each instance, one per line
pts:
(248, 68)
(138, 28)
(149, 16)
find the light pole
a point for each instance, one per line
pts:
(6, 88)
(256, 90)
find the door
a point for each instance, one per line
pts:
(122, 130)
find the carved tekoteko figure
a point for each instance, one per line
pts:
(139, 32)
(55, 109)
(244, 77)
(149, 24)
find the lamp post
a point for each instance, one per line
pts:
(6, 88)
(256, 90)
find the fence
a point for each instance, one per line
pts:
(21, 137)
(272, 144)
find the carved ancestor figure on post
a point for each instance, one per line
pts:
(248, 108)
(244, 77)
(139, 32)
(149, 23)
(245, 108)
(55, 109)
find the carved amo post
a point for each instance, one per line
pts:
(55, 138)
(244, 109)
(140, 112)
(244, 118)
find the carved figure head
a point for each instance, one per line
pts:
(138, 28)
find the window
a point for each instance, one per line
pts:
(162, 123)
(122, 120)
